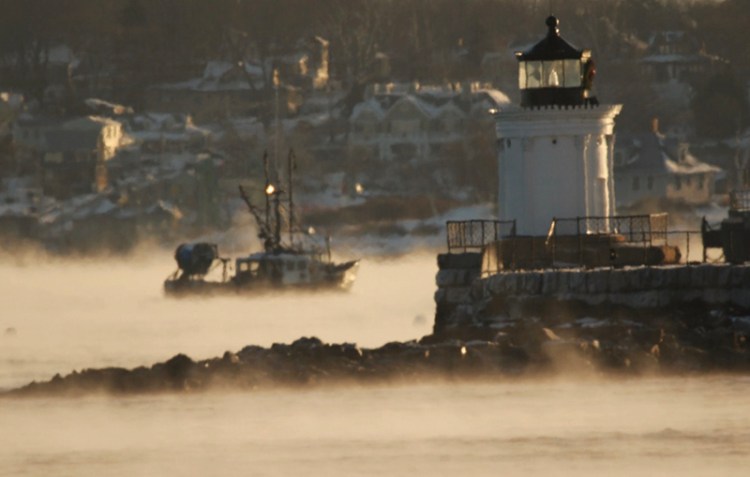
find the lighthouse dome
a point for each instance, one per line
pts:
(554, 72)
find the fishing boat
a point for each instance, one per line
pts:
(295, 263)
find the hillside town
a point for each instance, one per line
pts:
(104, 145)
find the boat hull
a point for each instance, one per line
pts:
(335, 277)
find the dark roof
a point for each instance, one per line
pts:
(651, 153)
(71, 141)
(552, 47)
(655, 153)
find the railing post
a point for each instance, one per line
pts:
(630, 229)
(687, 247)
(482, 223)
(643, 244)
(467, 236)
(580, 242)
(448, 235)
(554, 241)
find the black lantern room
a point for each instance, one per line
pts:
(553, 72)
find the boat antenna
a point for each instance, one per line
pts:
(291, 166)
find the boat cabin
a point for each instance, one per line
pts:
(277, 269)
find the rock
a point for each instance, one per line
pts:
(178, 366)
(230, 358)
(311, 342)
(252, 352)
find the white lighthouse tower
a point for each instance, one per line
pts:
(556, 150)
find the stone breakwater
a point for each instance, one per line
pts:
(680, 343)
(465, 301)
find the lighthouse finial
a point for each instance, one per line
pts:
(552, 23)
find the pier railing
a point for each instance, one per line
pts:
(474, 235)
(644, 229)
(577, 242)
(739, 200)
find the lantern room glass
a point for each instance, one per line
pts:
(552, 76)
(549, 74)
(572, 70)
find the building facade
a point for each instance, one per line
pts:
(421, 123)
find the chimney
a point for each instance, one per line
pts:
(655, 125)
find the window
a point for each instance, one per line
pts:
(650, 183)
(553, 74)
(572, 73)
(677, 183)
(533, 74)
(700, 178)
(549, 74)
(522, 74)
(636, 183)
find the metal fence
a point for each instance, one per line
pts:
(691, 246)
(474, 235)
(646, 229)
(577, 242)
(739, 200)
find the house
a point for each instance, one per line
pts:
(225, 90)
(413, 122)
(653, 166)
(20, 204)
(85, 223)
(68, 156)
(308, 67)
(165, 132)
(678, 56)
(10, 107)
(61, 62)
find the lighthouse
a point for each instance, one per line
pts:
(556, 150)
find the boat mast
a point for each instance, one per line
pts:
(291, 167)
(265, 187)
(277, 212)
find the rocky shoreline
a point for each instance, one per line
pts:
(681, 343)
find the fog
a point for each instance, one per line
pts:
(63, 315)
(59, 316)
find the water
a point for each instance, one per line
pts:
(68, 316)
(112, 314)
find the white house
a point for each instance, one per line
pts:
(416, 124)
(652, 166)
(70, 155)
